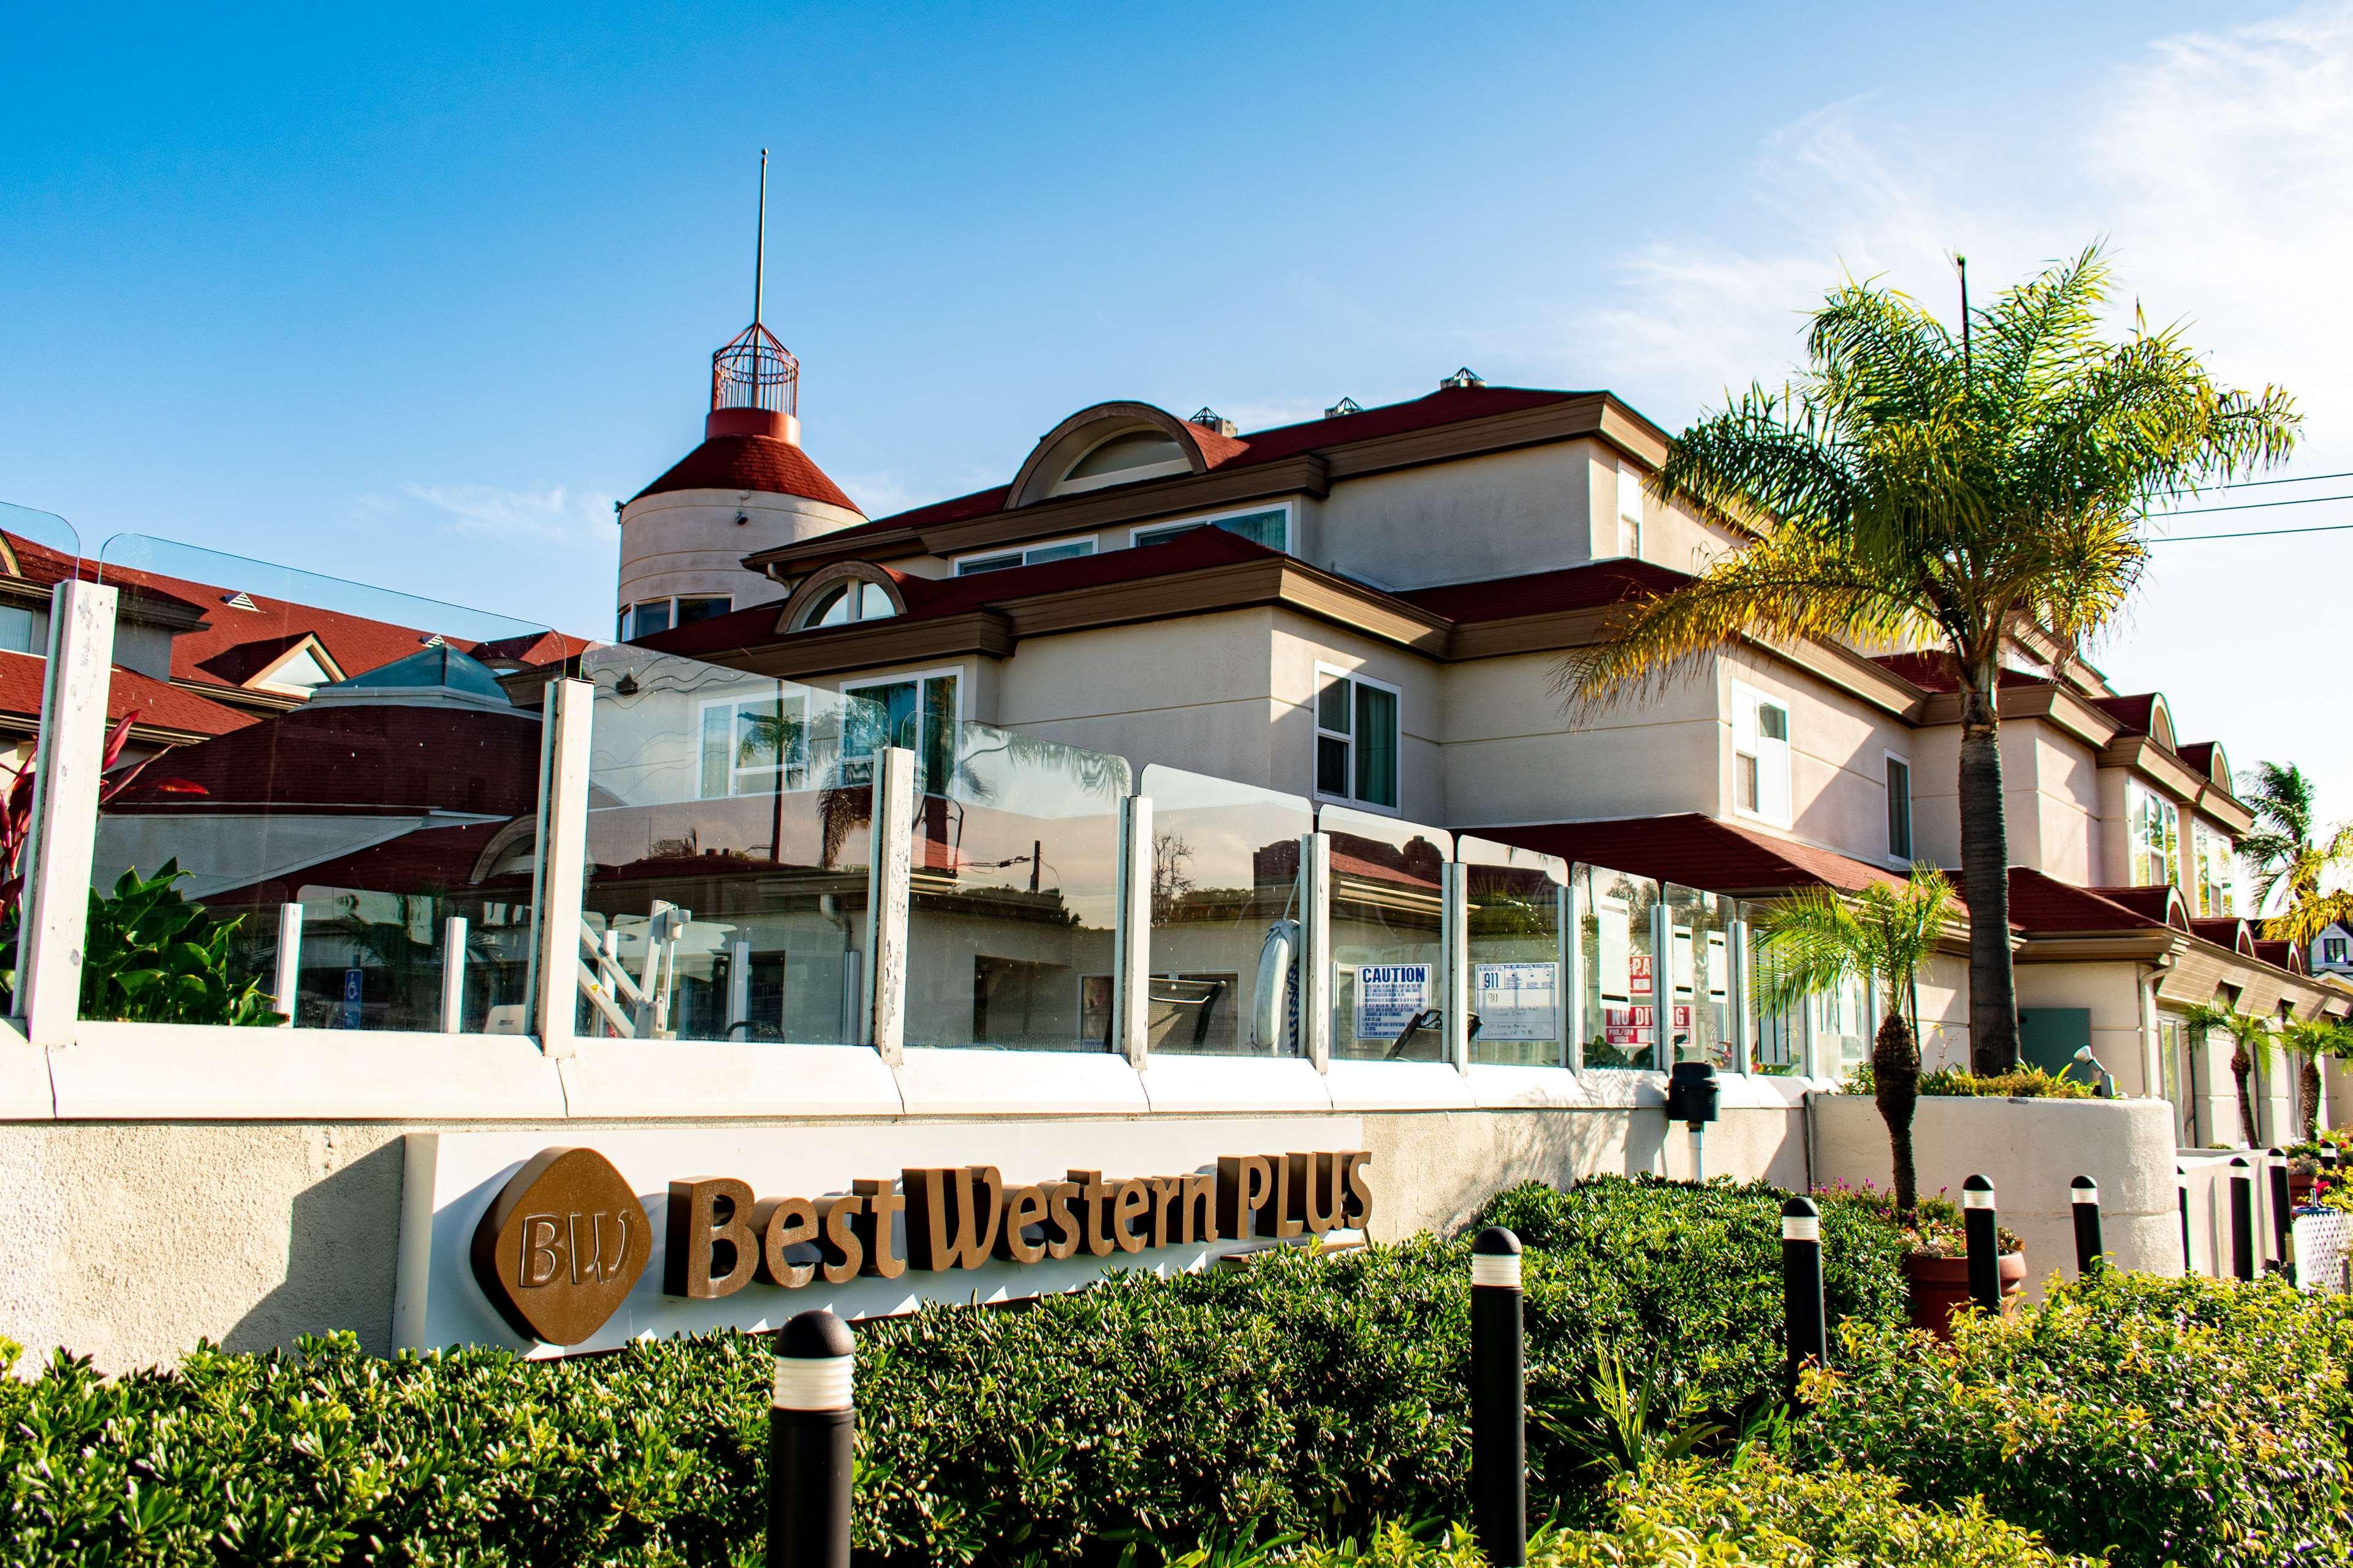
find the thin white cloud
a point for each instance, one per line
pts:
(556, 516)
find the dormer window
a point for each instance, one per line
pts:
(844, 602)
(1124, 459)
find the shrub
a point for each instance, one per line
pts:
(2018, 1083)
(1753, 1515)
(150, 956)
(1297, 1393)
(2190, 1421)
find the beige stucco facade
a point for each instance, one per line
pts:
(692, 543)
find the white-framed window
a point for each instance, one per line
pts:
(1629, 513)
(1357, 736)
(1760, 755)
(1024, 555)
(754, 745)
(1124, 459)
(2217, 894)
(1267, 525)
(2332, 950)
(923, 712)
(648, 616)
(25, 628)
(850, 600)
(1899, 808)
(2154, 825)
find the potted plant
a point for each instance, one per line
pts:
(1817, 940)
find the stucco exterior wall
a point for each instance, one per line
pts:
(1298, 644)
(1462, 522)
(1838, 758)
(688, 541)
(2112, 993)
(1513, 755)
(2032, 1149)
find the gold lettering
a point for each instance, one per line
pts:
(1197, 1210)
(785, 1224)
(952, 1216)
(877, 1229)
(1356, 1203)
(1245, 1183)
(1315, 1190)
(711, 1250)
(1286, 1199)
(1167, 1214)
(1069, 1234)
(1094, 1200)
(1024, 1207)
(844, 1251)
(539, 1234)
(1129, 1202)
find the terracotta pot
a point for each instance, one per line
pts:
(2299, 1186)
(1940, 1286)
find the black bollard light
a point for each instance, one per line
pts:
(2282, 1207)
(2242, 1219)
(1985, 1237)
(1808, 1328)
(1499, 1401)
(2086, 1193)
(2182, 1193)
(812, 1428)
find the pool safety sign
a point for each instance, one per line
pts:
(1516, 1001)
(1389, 994)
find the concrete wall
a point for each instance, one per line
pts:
(1838, 757)
(1513, 755)
(2032, 1149)
(2112, 993)
(1497, 516)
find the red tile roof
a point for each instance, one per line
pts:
(2228, 932)
(1448, 405)
(929, 598)
(2133, 712)
(751, 463)
(1585, 587)
(155, 702)
(2045, 906)
(1931, 670)
(1696, 851)
(2280, 956)
(2157, 903)
(407, 759)
(2198, 754)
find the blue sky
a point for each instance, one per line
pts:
(413, 294)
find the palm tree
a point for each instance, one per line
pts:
(2312, 1039)
(2287, 855)
(1815, 941)
(1919, 489)
(2248, 1034)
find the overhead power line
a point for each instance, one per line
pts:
(2247, 506)
(2251, 484)
(2256, 533)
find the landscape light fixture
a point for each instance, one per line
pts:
(2105, 1086)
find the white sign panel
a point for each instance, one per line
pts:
(1388, 996)
(1610, 915)
(453, 1178)
(1517, 1001)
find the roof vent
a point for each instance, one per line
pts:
(433, 639)
(240, 601)
(1345, 405)
(1465, 377)
(1210, 420)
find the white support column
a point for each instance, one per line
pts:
(739, 984)
(453, 974)
(288, 979)
(1572, 972)
(890, 870)
(1454, 974)
(1735, 994)
(66, 780)
(1663, 983)
(1131, 987)
(562, 881)
(1315, 949)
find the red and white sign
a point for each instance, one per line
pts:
(1638, 974)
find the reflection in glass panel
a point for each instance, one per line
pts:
(1015, 879)
(1386, 947)
(874, 603)
(359, 758)
(1513, 906)
(1699, 1026)
(1777, 1041)
(1622, 1003)
(1225, 916)
(728, 845)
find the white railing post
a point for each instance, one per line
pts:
(1315, 949)
(66, 782)
(562, 878)
(453, 974)
(1735, 994)
(739, 985)
(1454, 971)
(288, 978)
(1131, 987)
(1572, 971)
(889, 872)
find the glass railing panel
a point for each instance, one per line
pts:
(1225, 916)
(1777, 1040)
(1512, 905)
(37, 550)
(1699, 967)
(1011, 931)
(369, 757)
(1387, 950)
(1621, 1002)
(729, 840)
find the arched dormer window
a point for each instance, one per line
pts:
(846, 593)
(1123, 460)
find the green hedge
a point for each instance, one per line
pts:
(2175, 1421)
(1755, 1514)
(1296, 1395)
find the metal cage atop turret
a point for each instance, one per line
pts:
(755, 371)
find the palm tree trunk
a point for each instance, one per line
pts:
(1895, 1082)
(2243, 1063)
(1985, 888)
(2307, 1083)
